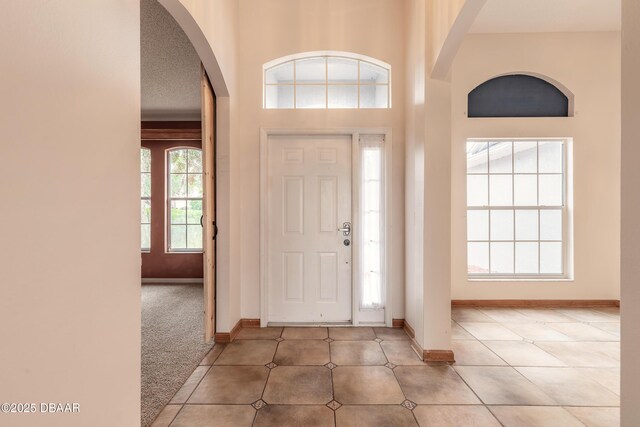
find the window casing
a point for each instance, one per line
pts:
(327, 81)
(184, 200)
(145, 199)
(517, 212)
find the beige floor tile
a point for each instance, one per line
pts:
(166, 416)
(458, 333)
(305, 333)
(374, 415)
(597, 417)
(608, 377)
(302, 352)
(366, 385)
(521, 353)
(400, 353)
(213, 354)
(231, 384)
(455, 416)
(502, 386)
(489, 331)
(434, 385)
(536, 332)
(545, 315)
(612, 328)
(187, 388)
(475, 353)
(391, 334)
(215, 416)
(248, 352)
(568, 387)
(352, 334)
(259, 333)
(288, 415)
(357, 353)
(295, 385)
(534, 416)
(583, 332)
(505, 315)
(588, 315)
(583, 354)
(469, 315)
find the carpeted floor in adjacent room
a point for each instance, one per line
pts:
(172, 342)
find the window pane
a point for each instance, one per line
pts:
(342, 70)
(500, 190)
(374, 96)
(194, 161)
(178, 185)
(370, 73)
(145, 236)
(343, 96)
(194, 211)
(550, 258)
(477, 157)
(178, 237)
(195, 185)
(145, 211)
(311, 97)
(477, 225)
(145, 185)
(501, 225)
(280, 74)
(312, 70)
(279, 96)
(371, 196)
(477, 190)
(372, 158)
(178, 212)
(550, 225)
(477, 258)
(526, 258)
(525, 192)
(194, 236)
(550, 188)
(526, 157)
(527, 225)
(178, 161)
(502, 257)
(371, 229)
(145, 160)
(500, 157)
(551, 158)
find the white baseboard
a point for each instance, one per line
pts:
(180, 281)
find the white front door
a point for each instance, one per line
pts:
(309, 199)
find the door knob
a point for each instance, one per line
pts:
(346, 229)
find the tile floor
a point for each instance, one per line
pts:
(524, 367)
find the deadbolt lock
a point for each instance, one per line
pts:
(347, 242)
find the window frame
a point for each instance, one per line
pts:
(564, 208)
(327, 83)
(143, 198)
(169, 199)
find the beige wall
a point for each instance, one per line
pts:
(588, 64)
(283, 27)
(70, 275)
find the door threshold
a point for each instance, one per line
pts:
(311, 324)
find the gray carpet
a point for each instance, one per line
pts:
(172, 342)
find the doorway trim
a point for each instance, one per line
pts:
(354, 133)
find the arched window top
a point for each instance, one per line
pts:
(327, 80)
(519, 95)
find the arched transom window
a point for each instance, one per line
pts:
(327, 80)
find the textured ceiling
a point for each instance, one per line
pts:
(170, 67)
(531, 16)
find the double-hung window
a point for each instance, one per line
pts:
(516, 208)
(184, 200)
(145, 199)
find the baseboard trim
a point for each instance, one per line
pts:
(438, 356)
(227, 337)
(536, 303)
(250, 323)
(169, 281)
(409, 330)
(397, 323)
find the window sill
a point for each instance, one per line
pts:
(183, 252)
(518, 279)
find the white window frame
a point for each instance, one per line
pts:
(325, 54)
(564, 208)
(169, 199)
(143, 198)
